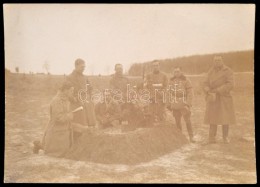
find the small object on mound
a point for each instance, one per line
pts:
(132, 147)
(36, 147)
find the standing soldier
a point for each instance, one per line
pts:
(119, 81)
(181, 100)
(156, 83)
(81, 83)
(219, 103)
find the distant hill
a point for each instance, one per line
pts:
(240, 61)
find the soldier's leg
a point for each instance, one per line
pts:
(153, 108)
(225, 129)
(189, 126)
(212, 133)
(90, 114)
(78, 117)
(177, 116)
(161, 111)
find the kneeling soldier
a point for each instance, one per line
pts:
(108, 112)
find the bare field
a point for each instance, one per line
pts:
(27, 112)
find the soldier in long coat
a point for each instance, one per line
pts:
(181, 100)
(58, 135)
(82, 95)
(219, 102)
(156, 82)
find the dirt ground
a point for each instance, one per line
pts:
(27, 113)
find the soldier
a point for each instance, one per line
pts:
(119, 81)
(219, 103)
(156, 83)
(57, 138)
(108, 111)
(82, 90)
(181, 102)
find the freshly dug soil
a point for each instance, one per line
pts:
(118, 146)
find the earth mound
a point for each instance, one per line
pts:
(121, 146)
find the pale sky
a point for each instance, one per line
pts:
(104, 35)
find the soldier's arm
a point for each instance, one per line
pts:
(127, 81)
(165, 82)
(58, 113)
(148, 82)
(90, 88)
(228, 85)
(205, 83)
(111, 83)
(189, 92)
(72, 81)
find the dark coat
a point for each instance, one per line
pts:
(182, 92)
(119, 82)
(221, 109)
(86, 116)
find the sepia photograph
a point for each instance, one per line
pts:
(129, 93)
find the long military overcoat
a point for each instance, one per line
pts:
(220, 111)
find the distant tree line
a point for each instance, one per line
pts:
(241, 61)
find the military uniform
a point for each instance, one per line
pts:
(219, 109)
(107, 113)
(57, 138)
(87, 115)
(119, 82)
(181, 101)
(157, 81)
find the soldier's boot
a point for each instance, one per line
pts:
(177, 117)
(191, 135)
(212, 133)
(225, 129)
(179, 126)
(37, 147)
(189, 128)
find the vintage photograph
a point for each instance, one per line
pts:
(129, 93)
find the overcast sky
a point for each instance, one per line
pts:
(103, 35)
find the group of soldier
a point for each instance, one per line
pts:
(66, 126)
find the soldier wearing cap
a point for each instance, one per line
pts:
(181, 100)
(156, 82)
(83, 89)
